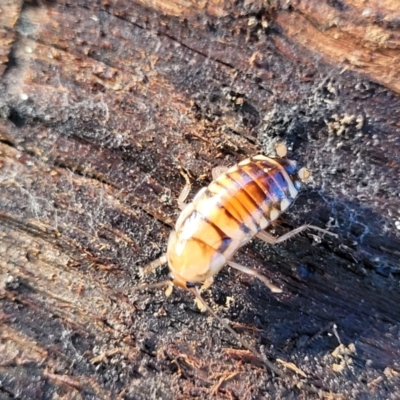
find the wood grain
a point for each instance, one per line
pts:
(101, 103)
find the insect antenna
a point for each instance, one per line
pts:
(155, 285)
(243, 342)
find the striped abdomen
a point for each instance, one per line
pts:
(228, 213)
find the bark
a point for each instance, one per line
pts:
(102, 103)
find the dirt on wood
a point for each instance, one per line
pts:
(103, 103)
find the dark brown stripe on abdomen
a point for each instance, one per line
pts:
(234, 201)
(226, 213)
(239, 180)
(258, 175)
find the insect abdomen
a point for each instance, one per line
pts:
(242, 201)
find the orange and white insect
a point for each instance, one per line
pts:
(235, 207)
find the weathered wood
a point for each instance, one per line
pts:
(100, 106)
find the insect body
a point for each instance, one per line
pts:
(237, 206)
(234, 208)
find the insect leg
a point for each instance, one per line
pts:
(253, 272)
(185, 191)
(206, 284)
(217, 171)
(270, 239)
(150, 268)
(169, 289)
(153, 265)
(280, 149)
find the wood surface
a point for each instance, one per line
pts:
(102, 103)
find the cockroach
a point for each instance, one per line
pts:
(236, 206)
